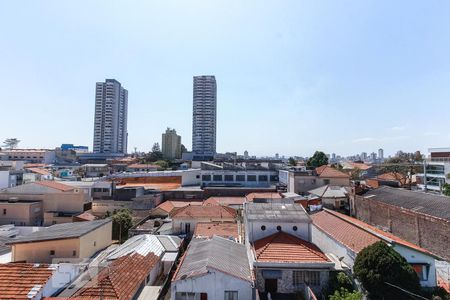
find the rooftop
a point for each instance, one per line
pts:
(276, 211)
(39, 171)
(269, 195)
(415, 201)
(23, 281)
(170, 205)
(208, 230)
(142, 166)
(215, 254)
(61, 231)
(55, 185)
(330, 172)
(194, 211)
(329, 191)
(356, 234)
(224, 201)
(282, 247)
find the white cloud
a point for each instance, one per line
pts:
(398, 128)
(364, 139)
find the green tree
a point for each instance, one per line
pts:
(378, 265)
(183, 149)
(163, 165)
(446, 189)
(292, 161)
(11, 143)
(318, 159)
(344, 294)
(122, 222)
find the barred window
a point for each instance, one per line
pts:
(307, 277)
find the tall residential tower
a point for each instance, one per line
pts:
(204, 117)
(110, 124)
(171, 144)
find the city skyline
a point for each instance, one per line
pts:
(320, 67)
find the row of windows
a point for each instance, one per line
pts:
(263, 227)
(306, 277)
(231, 178)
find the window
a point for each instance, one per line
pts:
(274, 178)
(240, 177)
(206, 177)
(251, 177)
(52, 252)
(217, 177)
(231, 295)
(263, 228)
(229, 178)
(279, 228)
(295, 228)
(95, 243)
(4, 211)
(74, 253)
(326, 181)
(306, 277)
(422, 271)
(262, 178)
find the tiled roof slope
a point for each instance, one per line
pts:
(268, 195)
(170, 205)
(226, 230)
(330, 172)
(217, 253)
(121, 280)
(55, 185)
(204, 212)
(282, 247)
(356, 234)
(18, 279)
(224, 201)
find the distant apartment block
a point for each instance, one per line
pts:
(42, 156)
(110, 123)
(171, 144)
(436, 171)
(204, 117)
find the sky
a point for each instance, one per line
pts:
(292, 76)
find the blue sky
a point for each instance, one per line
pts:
(292, 76)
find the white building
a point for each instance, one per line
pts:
(436, 170)
(111, 113)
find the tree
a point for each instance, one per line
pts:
(318, 159)
(446, 189)
(292, 161)
(156, 147)
(344, 294)
(378, 265)
(163, 165)
(153, 156)
(122, 222)
(183, 149)
(11, 143)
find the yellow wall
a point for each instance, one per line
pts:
(20, 213)
(101, 236)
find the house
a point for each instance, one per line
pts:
(23, 213)
(165, 208)
(142, 168)
(331, 196)
(34, 281)
(345, 237)
(417, 217)
(262, 195)
(366, 171)
(126, 271)
(233, 202)
(226, 230)
(185, 219)
(95, 170)
(39, 174)
(278, 238)
(393, 179)
(213, 269)
(61, 242)
(332, 176)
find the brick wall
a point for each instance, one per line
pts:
(428, 232)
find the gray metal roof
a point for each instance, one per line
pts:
(3, 247)
(329, 191)
(217, 253)
(61, 231)
(425, 203)
(276, 210)
(170, 243)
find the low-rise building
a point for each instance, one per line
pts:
(142, 168)
(95, 170)
(213, 269)
(167, 207)
(228, 230)
(44, 156)
(23, 213)
(63, 242)
(436, 170)
(331, 196)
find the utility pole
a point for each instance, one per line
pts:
(425, 175)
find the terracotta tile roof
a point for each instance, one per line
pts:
(39, 171)
(121, 280)
(170, 205)
(142, 166)
(268, 195)
(208, 230)
(282, 247)
(360, 166)
(194, 211)
(55, 185)
(85, 216)
(224, 201)
(34, 165)
(356, 234)
(163, 186)
(393, 176)
(330, 172)
(17, 280)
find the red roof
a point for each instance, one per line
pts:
(39, 171)
(55, 185)
(330, 172)
(84, 216)
(393, 176)
(268, 195)
(204, 212)
(17, 280)
(356, 234)
(360, 166)
(170, 205)
(282, 247)
(224, 201)
(209, 229)
(121, 280)
(142, 166)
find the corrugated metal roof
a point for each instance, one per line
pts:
(280, 211)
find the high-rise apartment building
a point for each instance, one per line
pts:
(110, 125)
(380, 154)
(204, 117)
(171, 144)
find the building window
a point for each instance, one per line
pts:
(240, 177)
(95, 243)
(231, 295)
(229, 178)
(295, 228)
(52, 252)
(251, 177)
(4, 211)
(326, 181)
(279, 228)
(274, 178)
(422, 271)
(262, 178)
(206, 177)
(306, 277)
(74, 253)
(263, 228)
(217, 177)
